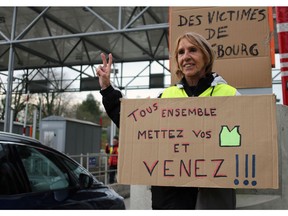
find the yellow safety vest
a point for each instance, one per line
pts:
(219, 90)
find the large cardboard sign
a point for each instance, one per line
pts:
(226, 142)
(240, 37)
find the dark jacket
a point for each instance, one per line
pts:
(169, 197)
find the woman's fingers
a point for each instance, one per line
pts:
(103, 57)
(106, 67)
(103, 71)
(110, 60)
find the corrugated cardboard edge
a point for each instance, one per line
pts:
(276, 146)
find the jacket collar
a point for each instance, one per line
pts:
(216, 80)
(211, 80)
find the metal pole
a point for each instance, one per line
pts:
(106, 169)
(10, 75)
(87, 161)
(34, 123)
(11, 122)
(40, 111)
(26, 113)
(282, 30)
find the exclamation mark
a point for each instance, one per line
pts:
(254, 170)
(246, 182)
(236, 181)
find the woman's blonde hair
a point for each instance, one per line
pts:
(200, 42)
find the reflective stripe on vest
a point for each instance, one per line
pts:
(219, 90)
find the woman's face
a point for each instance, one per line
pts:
(191, 61)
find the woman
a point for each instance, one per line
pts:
(195, 57)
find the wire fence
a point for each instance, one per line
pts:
(96, 164)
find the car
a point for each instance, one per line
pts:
(35, 176)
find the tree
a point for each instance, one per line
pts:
(18, 102)
(2, 108)
(51, 104)
(89, 110)
(54, 101)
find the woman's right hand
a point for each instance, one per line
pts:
(103, 71)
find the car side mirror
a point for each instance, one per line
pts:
(85, 181)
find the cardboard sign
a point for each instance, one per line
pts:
(240, 37)
(228, 142)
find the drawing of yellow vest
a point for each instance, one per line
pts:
(230, 138)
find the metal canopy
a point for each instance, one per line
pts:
(69, 36)
(47, 37)
(33, 38)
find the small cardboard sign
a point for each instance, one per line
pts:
(228, 142)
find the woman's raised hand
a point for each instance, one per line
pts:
(103, 71)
